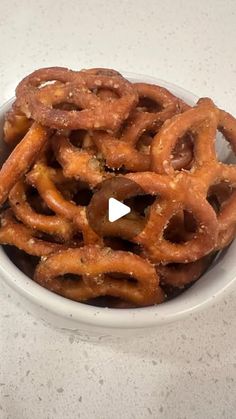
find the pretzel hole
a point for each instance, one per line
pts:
(53, 163)
(81, 138)
(140, 203)
(118, 276)
(36, 202)
(147, 104)
(97, 280)
(124, 126)
(83, 195)
(117, 243)
(47, 83)
(223, 148)
(145, 141)
(182, 153)
(190, 223)
(68, 189)
(48, 237)
(78, 237)
(106, 94)
(181, 227)
(218, 194)
(71, 277)
(67, 106)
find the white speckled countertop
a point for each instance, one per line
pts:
(184, 370)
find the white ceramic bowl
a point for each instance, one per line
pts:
(94, 322)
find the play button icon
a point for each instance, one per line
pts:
(116, 210)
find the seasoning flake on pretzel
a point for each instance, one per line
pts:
(78, 163)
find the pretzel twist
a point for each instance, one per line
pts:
(16, 234)
(49, 224)
(94, 265)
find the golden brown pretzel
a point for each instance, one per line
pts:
(173, 197)
(119, 152)
(94, 264)
(16, 234)
(22, 158)
(34, 81)
(122, 151)
(43, 179)
(78, 163)
(50, 224)
(101, 126)
(195, 120)
(39, 104)
(163, 103)
(180, 275)
(206, 170)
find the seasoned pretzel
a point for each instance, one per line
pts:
(196, 120)
(16, 234)
(204, 150)
(21, 158)
(180, 275)
(78, 163)
(123, 151)
(41, 177)
(118, 154)
(34, 81)
(50, 224)
(166, 103)
(95, 264)
(173, 197)
(39, 104)
(206, 170)
(136, 142)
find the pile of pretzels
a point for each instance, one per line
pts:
(67, 132)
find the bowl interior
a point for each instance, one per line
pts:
(219, 276)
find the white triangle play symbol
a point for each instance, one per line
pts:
(116, 210)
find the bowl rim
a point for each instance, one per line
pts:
(134, 318)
